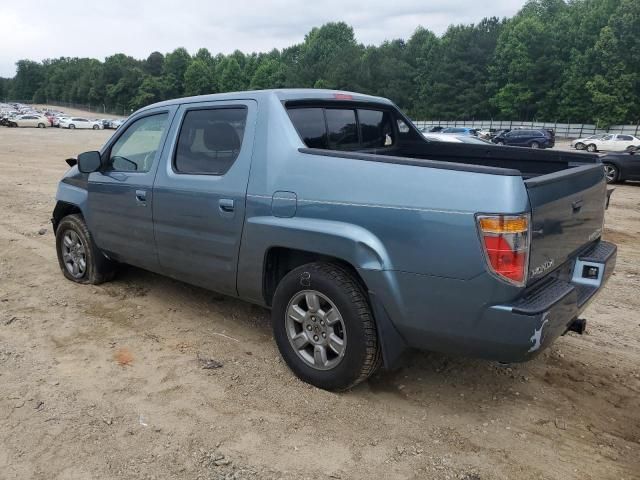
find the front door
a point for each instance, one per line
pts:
(200, 193)
(121, 195)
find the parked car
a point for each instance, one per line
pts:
(448, 137)
(79, 122)
(581, 143)
(29, 121)
(612, 143)
(331, 209)
(525, 138)
(459, 130)
(622, 166)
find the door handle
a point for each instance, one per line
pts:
(577, 205)
(141, 197)
(226, 205)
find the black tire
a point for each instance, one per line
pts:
(535, 145)
(611, 173)
(98, 268)
(72, 126)
(96, 127)
(41, 125)
(500, 142)
(592, 148)
(361, 351)
(579, 146)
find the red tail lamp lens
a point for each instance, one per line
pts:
(505, 240)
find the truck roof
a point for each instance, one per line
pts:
(283, 94)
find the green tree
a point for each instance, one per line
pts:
(198, 79)
(174, 68)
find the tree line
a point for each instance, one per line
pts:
(566, 61)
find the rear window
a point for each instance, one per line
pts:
(343, 128)
(375, 128)
(310, 125)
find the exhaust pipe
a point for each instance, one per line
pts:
(579, 325)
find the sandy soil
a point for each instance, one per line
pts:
(107, 382)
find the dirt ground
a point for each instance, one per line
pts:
(107, 382)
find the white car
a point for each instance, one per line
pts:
(455, 138)
(581, 143)
(612, 143)
(115, 124)
(79, 122)
(29, 121)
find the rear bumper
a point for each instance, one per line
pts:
(524, 328)
(476, 317)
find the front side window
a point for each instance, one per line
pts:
(210, 140)
(136, 148)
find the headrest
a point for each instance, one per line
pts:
(220, 136)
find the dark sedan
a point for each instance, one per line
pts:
(525, 138)
(622, 166)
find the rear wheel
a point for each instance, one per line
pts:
(72, 126)
(579, 146)
(324, 328)
(535, 145)
(79, 258)
(41, 125)
(96, 127)
(500, 142)
(592, 148)
(611, 173)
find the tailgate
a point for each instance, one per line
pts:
(567, 213)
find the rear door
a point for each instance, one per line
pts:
(200, 193)
(567, 213)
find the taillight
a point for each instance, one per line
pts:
(505, 239)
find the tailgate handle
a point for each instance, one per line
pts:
(577, 205)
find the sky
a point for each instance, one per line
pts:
(39, 29)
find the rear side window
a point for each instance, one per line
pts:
(210, 140)
(625, 137)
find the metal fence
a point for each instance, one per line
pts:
(563, 130)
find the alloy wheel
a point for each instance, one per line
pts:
(74, 254)
(315, 329)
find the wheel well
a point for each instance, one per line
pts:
(280, 260)
(61, 210)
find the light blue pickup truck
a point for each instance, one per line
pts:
(361, 236)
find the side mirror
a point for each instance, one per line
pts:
(89, 162)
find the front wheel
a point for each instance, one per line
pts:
(79, 258)
(611, 173)
(500, 142)
(535, 145)
(96, 127)
(579, 146)
(592, 148)
(324, 328)
(41, 125)
(72, 126)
